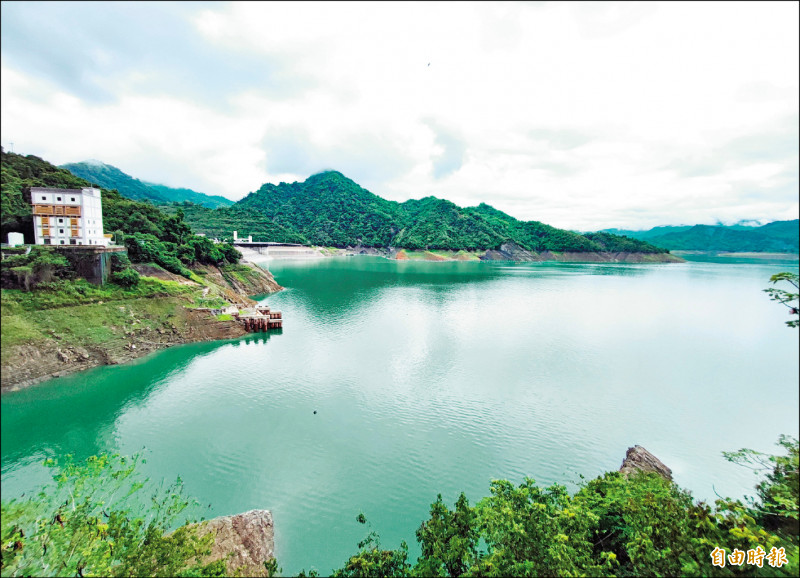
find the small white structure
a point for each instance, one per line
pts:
(236, 238)
(68, 216)
(16, 239)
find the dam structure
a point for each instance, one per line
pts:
(255, 251)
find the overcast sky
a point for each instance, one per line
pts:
(580, 115)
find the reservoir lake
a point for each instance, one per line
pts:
(435, 378)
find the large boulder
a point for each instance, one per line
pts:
(248, 538)
(638, 459)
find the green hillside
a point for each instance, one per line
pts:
(438, 224)
(221, 222)
(180, 195)
(110, 177)
(776, 237)
(330, 209)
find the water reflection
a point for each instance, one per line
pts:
(77, 413)
(337, 286)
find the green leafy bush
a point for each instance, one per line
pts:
(125, 278)
(86, 525)
(790, 298)
(41, 266)
(119, 262)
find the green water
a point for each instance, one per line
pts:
(435, 378)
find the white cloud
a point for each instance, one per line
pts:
(581, 115)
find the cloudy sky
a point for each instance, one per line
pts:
(580, 115)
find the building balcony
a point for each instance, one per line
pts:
(47, 210)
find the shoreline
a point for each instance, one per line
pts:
(150, 324)
(740, 255)
(48, 360)
(507, 252)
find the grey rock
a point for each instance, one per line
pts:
(638, 459)
(248, 538)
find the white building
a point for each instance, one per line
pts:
(67, 216)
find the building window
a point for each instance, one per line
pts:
(72, 241)
(44, 198)
(62, 241)
(61, 231)
(58, 198)
(61, 221)
(47, 241)
(72, 199)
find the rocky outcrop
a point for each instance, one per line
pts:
(246, 541)
(638, 459)
(237, 285)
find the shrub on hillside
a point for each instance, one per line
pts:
(125, 278)
(84, 525)
(147, 248)
(119, 262)
(41, 265)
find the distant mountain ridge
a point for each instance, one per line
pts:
(110, 177)
(775, 237)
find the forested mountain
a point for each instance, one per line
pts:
(326, 209)
(330, 209)
(110, 177)
(180, 195)
(778, 237)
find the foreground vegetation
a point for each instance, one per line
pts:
(87, 524)
(97, 520)
(643, 525)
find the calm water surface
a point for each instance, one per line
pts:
(435, 378)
